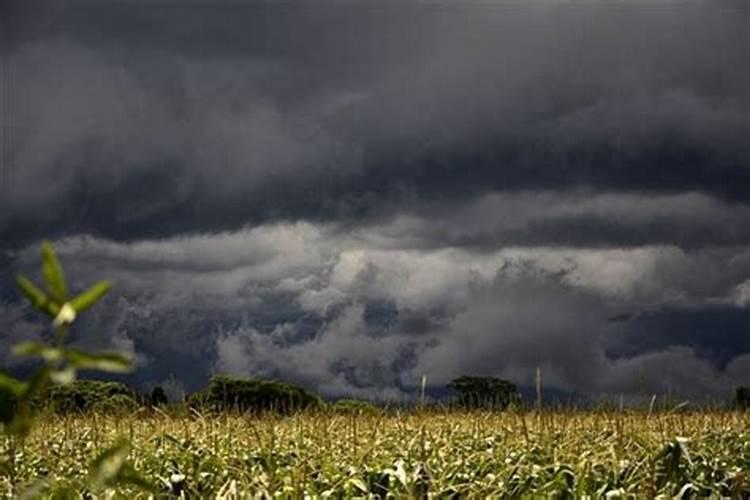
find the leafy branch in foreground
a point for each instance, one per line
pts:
(60, 364)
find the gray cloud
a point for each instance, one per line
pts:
(584, 218)
(19, 327)
(342, 313)
(354, 195)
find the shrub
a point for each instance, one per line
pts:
(116, 404)
(742, 397)
(158, 397)
(225, 392)
(355, 406)
(484, 392)
(87, 395)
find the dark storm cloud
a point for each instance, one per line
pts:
(353, 195)
(716, 333)
(213, 117)
(574, 218)
(351, 313)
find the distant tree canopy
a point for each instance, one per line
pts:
(484, 392)
(233, 393)
(158, 397)
(742, 397)
(355, 407)
(84, 395)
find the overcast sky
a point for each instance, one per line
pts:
(349, 195)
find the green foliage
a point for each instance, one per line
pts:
(112, 468)
(233, 393)
(87, 395)
(158, 397)
(57, 295)
(355, 407)
(53, 274)
(60, 361)
(414, 454)
(54, 382)
(90, 296)
(104, 361)
(484, 392)
(37, 297)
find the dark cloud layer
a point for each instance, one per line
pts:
(351, 195)
(220, 116)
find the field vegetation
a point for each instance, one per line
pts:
(427, 453)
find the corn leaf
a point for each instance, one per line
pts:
(108, 362)
(53, 274)
(37, 297)
(49, 354)
(107, 468)
(31, 291)
(90, 296)
(16, 387)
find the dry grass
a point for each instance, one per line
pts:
(427, 454)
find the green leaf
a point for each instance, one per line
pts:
(107, 362)
(108, 467)
(16, 387)
(31, 291)
(90, 296)
(53, 274)
(360, 484)
(49, 354)
(36, 296)
(130, 476)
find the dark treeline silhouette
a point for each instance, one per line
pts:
(742, 398)
(484, 392)
(224, 393)
(234, 393)
(88, 395)
(158, 397)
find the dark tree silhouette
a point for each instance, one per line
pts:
(742, 397)
(85, 395)
(158, 397)
(233, 393)
(484, 392)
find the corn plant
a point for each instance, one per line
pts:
(60, 363)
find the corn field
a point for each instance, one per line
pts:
(415, 454)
